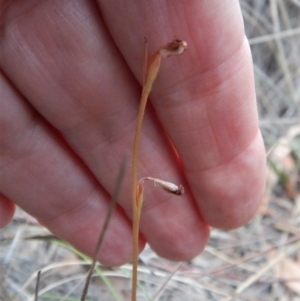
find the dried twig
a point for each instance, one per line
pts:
(104, 228)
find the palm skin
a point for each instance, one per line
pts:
(71, 76)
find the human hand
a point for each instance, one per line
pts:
(71, 77)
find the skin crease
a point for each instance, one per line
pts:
(69, 91)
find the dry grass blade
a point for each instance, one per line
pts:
(253, 278)
(36, 293)
(281, 53)
(110, 211)
(158, 293)
(275, 36)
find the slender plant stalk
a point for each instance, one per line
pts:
(173, 48)
(110, 211)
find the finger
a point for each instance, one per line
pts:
(42, 175)
(95, 108)
(7, 209)
(204, 99)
